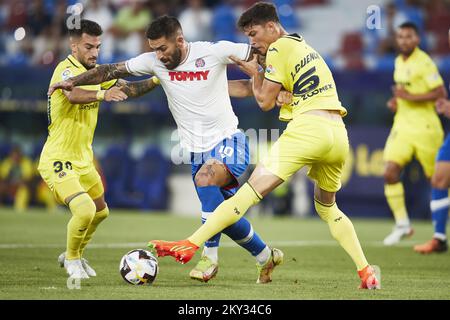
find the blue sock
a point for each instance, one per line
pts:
(242, 233)
(210, 197)
(440, 204)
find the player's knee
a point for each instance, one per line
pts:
(102, 214)
(440, 180)
(83, 207)
(203, 179)
(391, 176)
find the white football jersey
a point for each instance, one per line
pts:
(197, 91)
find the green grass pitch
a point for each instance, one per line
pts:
(315, 266)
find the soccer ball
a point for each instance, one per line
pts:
(139, 267)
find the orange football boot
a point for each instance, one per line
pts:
(434, 245)
(368, 279)
(182, 250)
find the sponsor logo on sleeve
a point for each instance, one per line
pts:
(66, 74)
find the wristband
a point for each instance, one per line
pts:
(156, 80)
(100, 95)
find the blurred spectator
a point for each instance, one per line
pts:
(129, 26)
(99, 11)
(45, 46)
(17, 15)
(4, 8)
(37, 18)
(196, 21)
(16, 172)
(391, 18)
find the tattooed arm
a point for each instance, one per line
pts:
(100, 74)
(137, 88)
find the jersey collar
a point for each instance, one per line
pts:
(75, 62)
(412, 55)
(294, 36)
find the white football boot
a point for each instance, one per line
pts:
(75, 270)
(397, 234)
(87, 268)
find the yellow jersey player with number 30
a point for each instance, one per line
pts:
(417, 131)
(67, 162)
(315, 137)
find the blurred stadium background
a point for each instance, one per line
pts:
(134, 141)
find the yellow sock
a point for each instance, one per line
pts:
(229, 212)
(21, 199)
(342, 230)
(395, 196)
(83, 211)
(98, 218)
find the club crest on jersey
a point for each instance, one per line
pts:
(62, 174)
(270, 69)
(199, 63)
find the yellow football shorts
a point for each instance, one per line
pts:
(314, 141)
(65, 180)
(402, 145)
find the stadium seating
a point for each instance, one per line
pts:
(150, 180)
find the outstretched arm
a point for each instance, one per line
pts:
(82, 96)
(137, 88)
(243, 88)
(265, 91)
(100, 74)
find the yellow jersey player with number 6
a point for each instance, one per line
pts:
(315, 137)
(67, 162)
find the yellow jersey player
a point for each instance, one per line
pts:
(417, 130)
(315, 137)
(66, 163)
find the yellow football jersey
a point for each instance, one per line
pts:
(71, 126)
(291, 62)
(418, 74)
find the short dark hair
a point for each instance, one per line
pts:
(86, 26)
(258, 14)
(409, 25)
(164, 26)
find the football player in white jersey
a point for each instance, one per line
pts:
(193, 76)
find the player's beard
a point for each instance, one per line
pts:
(407, 51)
(176, 59)
(88, 65)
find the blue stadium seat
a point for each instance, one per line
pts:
(444, 65)
(223, 23)
(36, 150)
(4, 150)
(386, 63)
(117, 168)
(287, 14)
(150, 180)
